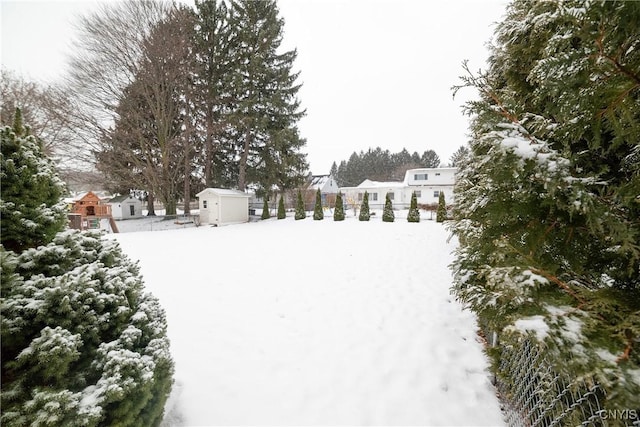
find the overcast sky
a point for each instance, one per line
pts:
(374, 72)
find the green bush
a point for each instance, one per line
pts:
(441, 213)
(338, 212)
(387, 213)
(265, 209)
(414, 213)
(282, 214)
(300, 212)
(318, 214)
(364, 208)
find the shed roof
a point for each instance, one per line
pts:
(223, 192)
(119, 199)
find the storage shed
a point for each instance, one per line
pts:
(219, 206)
(125, 207)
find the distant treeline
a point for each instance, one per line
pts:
(382, 165)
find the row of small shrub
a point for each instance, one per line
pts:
(365, 215)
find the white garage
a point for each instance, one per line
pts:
(220, 206)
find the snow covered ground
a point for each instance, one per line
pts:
(315, 323)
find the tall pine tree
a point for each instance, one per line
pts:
(266, 108)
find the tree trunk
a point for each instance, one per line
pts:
(208, 151)
(187, 180)
(242, 176)
(150, 210)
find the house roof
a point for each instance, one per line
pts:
(82, 196)
(367, 183)
(318, 181)
(223, 192)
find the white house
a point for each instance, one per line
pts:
(427, 183)
(219, 206)
(125, 207)
(326, 183)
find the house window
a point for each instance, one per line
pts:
(437, 173)
(204, 204)
(418, 193)
(420, 177)
(374, 197)
(132, 210)
(359, 197)
(436, 193)
(390, 196)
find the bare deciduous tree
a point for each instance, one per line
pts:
(148, 145)
(106, 59)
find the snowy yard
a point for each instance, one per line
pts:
(315, 323)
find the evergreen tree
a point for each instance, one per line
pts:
(318, 214)
(82, 342)
(414, 213)
(265, 92)
(334, 171)
(430, 159)
(441, 213)
(364, 208)
(300, 211)
(282, 214)
(30, 192)
(546, 201)
(338, 212)
(457, 157)
(387, 213)
(265, 209)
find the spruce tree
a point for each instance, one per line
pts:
(414, 213)
(300, 212)
(318, 214)
(31, 208)
(387, 213)
(282, 214)
(264, 92)
(338, 212)
(82, 342)
(265, 209)
(546, 200)
(441, 213)
(364, 208)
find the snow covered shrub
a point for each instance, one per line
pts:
(547, 209)
(30, 203)
(338, 212)
(265, 209)
(300, 212)
(282, 214)
(318, 214)
(82, 343)
(387, 213)
(441, 213)
(414, 213)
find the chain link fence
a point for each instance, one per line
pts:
(534, 395)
